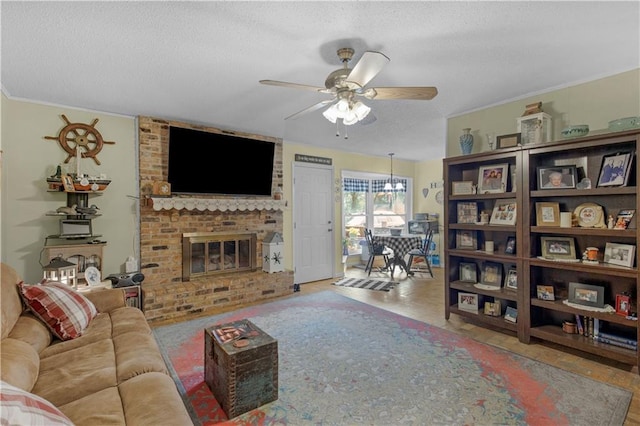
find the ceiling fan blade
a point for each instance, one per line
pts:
(369, 65)
(415, 93)
(295, 86)
(310, 109)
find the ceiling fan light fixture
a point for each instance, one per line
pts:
(331, 114)
(360, 110)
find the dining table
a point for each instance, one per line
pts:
(401, 245)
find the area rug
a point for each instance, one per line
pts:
(343, 362)
(366, 283)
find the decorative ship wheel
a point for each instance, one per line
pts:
(76, 136)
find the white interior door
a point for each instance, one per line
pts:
(313, 226)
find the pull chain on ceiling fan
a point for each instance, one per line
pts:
(346, 85)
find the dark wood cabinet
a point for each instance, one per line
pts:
(537, 318)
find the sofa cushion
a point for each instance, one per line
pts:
(99, 329)
(19, 363)
(23, 408)
(66, 312)
(31, 330)
(84, 411)
(11, 304)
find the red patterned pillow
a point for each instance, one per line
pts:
(66, 312)
(19, 407)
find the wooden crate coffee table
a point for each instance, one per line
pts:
(241, 377)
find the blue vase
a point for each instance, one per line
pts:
(466, 141)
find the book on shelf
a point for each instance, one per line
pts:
(579, 325)
(617, 338)
(616, 343)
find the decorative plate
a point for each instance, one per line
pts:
(92, 275)
(590, 215)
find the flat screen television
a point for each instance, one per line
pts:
(213, 163)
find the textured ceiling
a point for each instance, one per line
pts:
(200, 62)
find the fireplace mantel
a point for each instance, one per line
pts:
(214, 204)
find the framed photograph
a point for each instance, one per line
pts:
(624, 218)
(493, 179)
(467, 212)
(493, 308)
(491, 274)
(557, 177)
(468, 272)
(468, 302)
(547, 214)
(586, 294)
(510, 246)
(623, 304)
(558, 247)
(466, 240)
(504, 212)
(511, 314)
(511, 280)
(507, 141)
(67, 183)
(615, 169)
(462, 188)
(620, 254)
(545, 292)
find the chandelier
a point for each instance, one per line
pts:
(392, 184)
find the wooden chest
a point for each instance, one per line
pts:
(241, 378)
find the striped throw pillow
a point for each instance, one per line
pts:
(19, 407)
(66, 312)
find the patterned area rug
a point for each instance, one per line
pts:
(343, 362)
(366, 283)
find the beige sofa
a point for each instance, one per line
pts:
(113, 374)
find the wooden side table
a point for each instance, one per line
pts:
(241, 378)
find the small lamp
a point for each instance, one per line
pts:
(61, 270)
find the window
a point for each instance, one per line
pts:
(365, 204)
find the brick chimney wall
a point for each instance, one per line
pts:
(166, 296)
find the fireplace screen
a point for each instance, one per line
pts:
(212, 253)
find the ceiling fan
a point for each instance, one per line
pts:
(346, 85)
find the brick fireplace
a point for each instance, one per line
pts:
(167, 295)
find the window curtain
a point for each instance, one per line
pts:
(355, 185)
(378, 185)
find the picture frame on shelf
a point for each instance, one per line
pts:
(586, 294)
(466, 240)
(511, 279)
(620, 254)
(558, 248)
(467, 212)
(508, 141)
(510, 246)
(624, 218)
(557, 177)
(468, 272)
(545, 292)
(547, 214)
(511, 314)
(623, 304)
(67, 183)
(468, 302)
(504, 212)
(465, 187)
(493, 179)
(615, 169)
(491, 274)
(493, 309)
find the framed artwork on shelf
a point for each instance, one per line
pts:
(504, 212)
(511, 314)
(493, 308)
(67, 183)
(467, 212)
(615, 169)
(558, 248)
(557, 177)
(493, 179)
(468, 272)
(624, 218)
(507, 141)
(547, 214)
(491, 274)
(462, 188)
(466, 240)
(511, 280)
(623, 304)
(510, 246)
(545, 292)
(468, 302)
(586, 294)
(620, 254)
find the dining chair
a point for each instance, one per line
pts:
(376, 250)
(422, 252)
